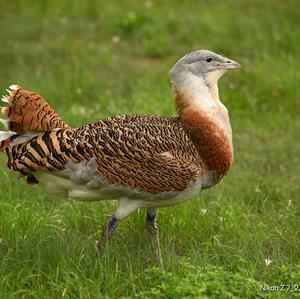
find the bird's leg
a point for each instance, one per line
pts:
(152, 231)
(126, 207)
(107, 232)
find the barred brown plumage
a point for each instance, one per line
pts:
(143, 160)
(28, 111)
(113, 142)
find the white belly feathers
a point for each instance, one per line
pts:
(80, 182)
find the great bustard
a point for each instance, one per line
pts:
(144, 161)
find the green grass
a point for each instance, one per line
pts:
(64, 51)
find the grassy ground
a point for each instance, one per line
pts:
(97, 58)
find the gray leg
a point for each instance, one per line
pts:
(107, 233)
(126, 207)
(152, 231)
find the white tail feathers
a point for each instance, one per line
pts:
(14, 87)
(5, 135)
(4, 99)
(10, 90)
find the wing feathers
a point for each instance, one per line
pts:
(146, 153)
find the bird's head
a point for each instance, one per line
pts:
(203, 64)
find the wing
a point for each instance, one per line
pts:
(149, 153)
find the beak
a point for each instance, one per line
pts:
(231, 64)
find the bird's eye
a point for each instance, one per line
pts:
(209, 59)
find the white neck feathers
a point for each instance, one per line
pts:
(201, 93)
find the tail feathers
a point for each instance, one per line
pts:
(5, 135)
(28, 115)
(29, 112)
(5, 139)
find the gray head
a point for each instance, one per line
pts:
(202, 63)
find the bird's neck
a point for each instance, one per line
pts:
(205, 120)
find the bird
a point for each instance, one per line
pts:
(143, 161)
